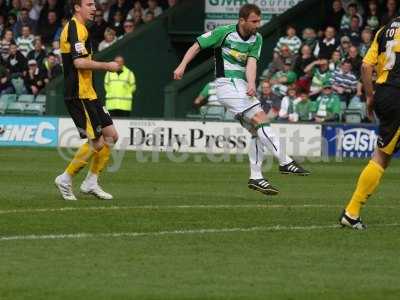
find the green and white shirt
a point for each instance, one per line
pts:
(231, 50)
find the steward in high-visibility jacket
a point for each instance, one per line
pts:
(119, 87)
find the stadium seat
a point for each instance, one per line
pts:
(3, 106)
(8, 98)
(194, 116)
(40, 99)
(15, 108)
(26, 98)
(214, 112)
(34, 109)
(343, 107)
(353, 116)
(229, 116)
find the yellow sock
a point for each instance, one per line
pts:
(366, 185)
(100, 160)
(80, 159)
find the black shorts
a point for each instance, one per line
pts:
(387, 109)
(89, 116)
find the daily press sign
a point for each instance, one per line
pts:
(222, 12)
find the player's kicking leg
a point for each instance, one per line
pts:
(99, 161)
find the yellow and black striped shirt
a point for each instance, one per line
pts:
(75, 43)
(385, 54)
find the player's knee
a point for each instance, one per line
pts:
(98, 144)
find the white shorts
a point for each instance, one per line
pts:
(232, 94)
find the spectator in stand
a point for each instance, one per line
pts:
(105, 7)
(309, 38)
(354, 31)
(334, 17)
(291, 40)
(328, 107)
(391, 12)
(344, 82)
(128, 27)
(172, 3)
(303, 60)
(303, 108)
(282, 79)
(24, 20)
(359, 3)
(320, 73)
(38, 53)
(121, 6)
(117, 23)
(52, 67)
(372, 19)
(16, 62)
(34, 78)
(49, 31)
(148, 17)
(137, 7)
(352, 10)
(335, 61)
(327, 45)
(270, 102)
(355, 60)
(55, 49)
(366, 41)
(2, 24)
(25, 41)
(277, 62)
(6, 86)
(15, 8)
(137, 18)
(344, 47)
(50, 5)
(5, 43)
(287, 105)
(34, 9)
(12, 21)
(97, 29)
(153, 7)
(109, 39)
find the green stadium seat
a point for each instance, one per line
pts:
(229, 116)
(15, 108)
(353, 116)
(34, 109)
(214, 112)
(40, 99)
(26, 98)
(194, 116)
(8, 98)
(3, 106)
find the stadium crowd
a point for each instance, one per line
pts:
(316, 76)
(30, 30)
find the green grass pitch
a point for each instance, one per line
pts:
(193, 231)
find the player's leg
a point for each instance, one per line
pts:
(82, 156)
(100, 159)
(271, 141)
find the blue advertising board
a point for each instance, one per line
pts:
(29, 131)
(357, 140)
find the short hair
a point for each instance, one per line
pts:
(75, 2)
(346, 61)
(352, 5)
(247, 9)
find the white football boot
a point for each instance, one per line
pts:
(65, 189)
(95, 189)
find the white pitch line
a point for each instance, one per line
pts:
(159, 207)
(84, 235)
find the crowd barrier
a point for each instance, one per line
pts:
(309, 140)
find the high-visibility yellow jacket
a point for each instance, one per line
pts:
(119, 89)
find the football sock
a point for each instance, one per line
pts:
(256, 156)
(100, 160)
(80, 159)
(366, 185)
(272, 143)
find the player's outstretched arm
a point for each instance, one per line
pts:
(366, 76)
(189, 55)
(251, 73)
(89, 64)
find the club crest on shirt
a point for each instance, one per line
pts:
(80, 48)
(238, 55)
